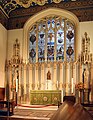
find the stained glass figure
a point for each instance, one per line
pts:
(50, 45)
(41, 47)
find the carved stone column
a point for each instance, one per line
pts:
(36, 77)
(42, 77)
(10, 83)
(74, 77)
(19, 85)
(80, 73)
(30, 78)
(67, 78)
(91, 94)
(77, 73)
(61, 76)
(55, 82)
(64, 77)
(25, 83)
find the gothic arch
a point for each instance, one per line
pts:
(42, 14)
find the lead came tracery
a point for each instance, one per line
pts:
(57, 34)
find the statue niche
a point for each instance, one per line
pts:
(49, 81)
(86, 78)
(48, 75)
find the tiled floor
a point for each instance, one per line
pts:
(34, 111)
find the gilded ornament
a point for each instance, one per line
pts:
(57, 1)
(24, 3)
(45, 99)
(55, 98)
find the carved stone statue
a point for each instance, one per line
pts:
(86, 78)
(48, 75)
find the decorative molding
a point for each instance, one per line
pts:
(3, 20)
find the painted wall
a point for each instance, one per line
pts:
(3, 46)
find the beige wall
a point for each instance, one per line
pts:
(12, 36)
(87, 27)
(3, 42)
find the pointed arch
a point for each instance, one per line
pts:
(50, 11)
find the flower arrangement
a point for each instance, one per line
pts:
(79, 86)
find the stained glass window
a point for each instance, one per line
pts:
(52, 39)
(60, 40)
(32, 45)
(69, 41)
(41, 42)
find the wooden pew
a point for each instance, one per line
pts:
(7, 109)
(2, 96)
(71, 111)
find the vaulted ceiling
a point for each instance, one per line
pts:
(14, 13)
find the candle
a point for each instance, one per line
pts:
(72, 86)
(57, 84)
(16, 85)
(90, 97)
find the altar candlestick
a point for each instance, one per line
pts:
(72, 86)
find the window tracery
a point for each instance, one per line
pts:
(52, 39)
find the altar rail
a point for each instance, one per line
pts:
(45, 97)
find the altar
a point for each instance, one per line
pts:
(45, 97)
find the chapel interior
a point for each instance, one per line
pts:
(46, 51)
